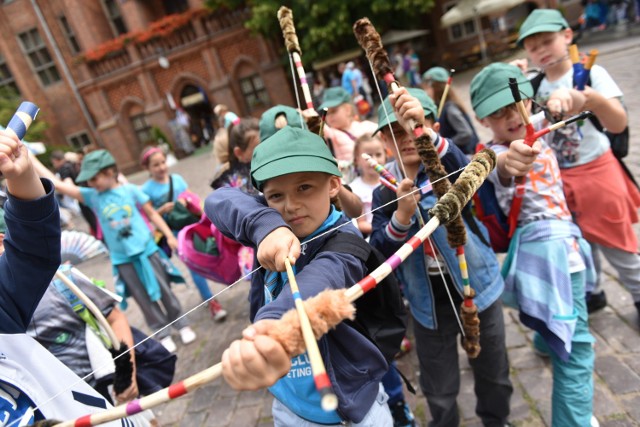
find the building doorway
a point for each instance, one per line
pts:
(196, 104)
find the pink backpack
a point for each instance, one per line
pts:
(232, 259)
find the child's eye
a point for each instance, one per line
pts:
(304, 187)
(274, 196)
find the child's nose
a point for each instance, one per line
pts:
(292, 204)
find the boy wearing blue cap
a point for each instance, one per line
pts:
(602, 198)
(546, 239)
(299, 179)
(430, 292)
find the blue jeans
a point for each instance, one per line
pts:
(202, 285)
(392, 383)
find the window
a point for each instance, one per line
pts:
(175, 6)
(141, 128)
(463, 30)
(69, 35)
(254, 92)
(115, 17)
(38, 54)
(79, 140)
(6, 78)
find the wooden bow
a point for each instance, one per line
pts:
(327, 309)
(371, 42)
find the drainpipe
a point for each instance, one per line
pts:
(66, 72)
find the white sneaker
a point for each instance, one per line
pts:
(168, 343)
(187, 335)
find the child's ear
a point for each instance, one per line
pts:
(484, 122)
(237, 152)
(334, 186)
(568, 35)
(436, 127)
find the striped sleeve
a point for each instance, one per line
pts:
(441, 144)
(396, 231)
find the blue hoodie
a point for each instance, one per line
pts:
(353, 363)
(31, 257)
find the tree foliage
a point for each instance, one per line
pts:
(9, 103)
(324, 27)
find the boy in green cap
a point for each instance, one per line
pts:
(602, 198)
(546, 239)
(143, 270)
(431, 277)
(455, 123)
(299, 179)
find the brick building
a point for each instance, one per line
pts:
(459, 45)
(111, 72)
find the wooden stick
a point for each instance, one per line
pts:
(445, 93)
(382, 171)
(285, 17)
(574, 54)
(446, 209)
(591, 59)
(329, 401)
(515, 92)
(104, 324)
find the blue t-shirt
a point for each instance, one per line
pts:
(347, 76)
(126, 233)
(158, 192)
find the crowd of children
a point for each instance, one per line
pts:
(286, 191)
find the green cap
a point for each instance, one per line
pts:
(93, 163)
(334, 96)
(268, 120)
(437, 74)
(3, 224)
(430, 109)
(291, 150)
(542, 21)
(490, 88)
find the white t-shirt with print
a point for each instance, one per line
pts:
(579, 143)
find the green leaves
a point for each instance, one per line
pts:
(9, 103)
(324, 27)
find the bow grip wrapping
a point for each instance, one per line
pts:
(23, 118)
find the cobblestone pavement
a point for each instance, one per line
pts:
(617, 368)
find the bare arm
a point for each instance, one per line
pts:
(351, 204)
(67, 188)
(609, 111)
(120, 326)
(364, 226)
(160, 224)
(22, 179)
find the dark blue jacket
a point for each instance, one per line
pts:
(355, 366)
(31, 257)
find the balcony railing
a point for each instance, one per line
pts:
(206, 25)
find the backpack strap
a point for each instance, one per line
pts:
(170, 189)
(348, 243)
(353, 244)
(536, 81)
